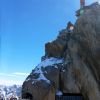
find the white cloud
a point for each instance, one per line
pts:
(16, 74)
(21, 74)
(8, 75)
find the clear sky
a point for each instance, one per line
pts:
(25, 27)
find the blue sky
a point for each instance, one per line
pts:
(26, 25)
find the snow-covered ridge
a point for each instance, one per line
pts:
(48, 62)
(8, 92)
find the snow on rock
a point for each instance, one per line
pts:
(33, 82)
(48, 62)
(42, 77)
(28, 79)
(56, 66)
(38, 70)
(63, 70)
(59, 93)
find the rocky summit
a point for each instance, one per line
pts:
(71, 63)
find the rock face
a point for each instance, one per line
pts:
(75, 57)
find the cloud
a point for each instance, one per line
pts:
(8, 75)
(15, 74)
(21, 74)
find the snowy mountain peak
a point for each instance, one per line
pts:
(8, 92)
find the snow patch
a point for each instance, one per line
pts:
(56, 66)
(46, 72)
(63, 70)
(28, 79)
(33, 82)
(48, 62)
(41, 75)
(59, 93)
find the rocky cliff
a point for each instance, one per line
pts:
(71, 63)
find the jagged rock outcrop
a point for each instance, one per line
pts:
(57, 47)
(75, 57)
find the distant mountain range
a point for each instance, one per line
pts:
(8, 92)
